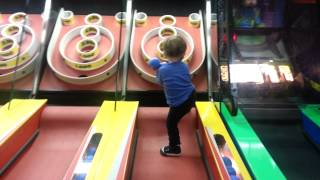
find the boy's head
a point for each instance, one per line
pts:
(220, 140)
(174, 48)
(250, 3)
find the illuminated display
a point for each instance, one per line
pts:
(270, 71)
(286, 72)
(258, 13)
(242, 73)
(256, 73)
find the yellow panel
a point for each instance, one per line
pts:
(20, 111)
(217, 104)
(212, 120)
(115, 126)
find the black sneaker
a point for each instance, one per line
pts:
(170, 151)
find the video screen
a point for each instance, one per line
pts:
(258, 13)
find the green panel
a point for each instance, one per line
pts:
(312, 111)
(257, 157)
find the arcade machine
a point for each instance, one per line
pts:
(152, 22)
(38, 141)
(260, 63)
(68, 147)
(31, 148)
(23, 31)
(259, 162)
(85, 53)
(77, 142)
(149, 18)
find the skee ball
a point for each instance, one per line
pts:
(120, 141)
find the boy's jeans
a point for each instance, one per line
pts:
(174, 116)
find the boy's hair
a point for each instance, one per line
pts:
(174, 47)
(219, 140)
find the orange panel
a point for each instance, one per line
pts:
(62, 130)
(12, 146)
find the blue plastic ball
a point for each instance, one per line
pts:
(154, 63)
(233, 177)
(92, 150)
(227, 162)
(88, 158)
(79, 176)
(231, 171)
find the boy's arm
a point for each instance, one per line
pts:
(154, 63)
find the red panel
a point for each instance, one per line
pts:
(214, 41)
(135, 82)
(51, 82)
(19, 138)
(35, 23)
(149, 164)
(62, 130)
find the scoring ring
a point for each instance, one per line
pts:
(167, 31)
(19, 18)
(91, 32)
(154, 32)
(86, 66)
(93, 19)
(87, 49)
(8, 47)
(25, 55)
(120, 17)
(167, 20)
(67, 18)
(194, 19)
(14, 31)
(140, 18)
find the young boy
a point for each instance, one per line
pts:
(179, 91)
(248, 14)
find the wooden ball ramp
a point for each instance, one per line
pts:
(118, 141)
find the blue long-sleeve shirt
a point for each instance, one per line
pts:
(176, 81)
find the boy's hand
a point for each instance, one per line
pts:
(154, 63)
